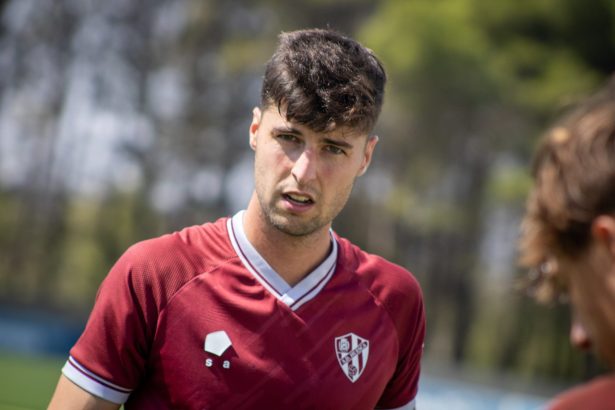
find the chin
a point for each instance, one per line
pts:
(295, 230)
(292, 228)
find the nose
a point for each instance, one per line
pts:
(578, 335)
(304, 168)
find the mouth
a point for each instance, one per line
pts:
(298, 199)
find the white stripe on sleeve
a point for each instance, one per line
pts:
(93, 383)
(411, 405)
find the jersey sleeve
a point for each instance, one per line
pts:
(109, 358)
(406, 306)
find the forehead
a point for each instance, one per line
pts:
(277, 120)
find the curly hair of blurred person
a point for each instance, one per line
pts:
(568, 234)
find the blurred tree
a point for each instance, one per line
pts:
(128, 121)
(120, 121)
(474, 82)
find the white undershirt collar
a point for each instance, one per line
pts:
(294, 296)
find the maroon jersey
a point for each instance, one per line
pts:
(198, 320)
(598, 394)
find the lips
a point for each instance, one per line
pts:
(301, 199)
(298, 198)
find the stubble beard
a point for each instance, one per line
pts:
(290, 224)
(296, 226)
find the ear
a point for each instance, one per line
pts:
(579, 337)
(256, 122)
(603, 232)
(367, 154)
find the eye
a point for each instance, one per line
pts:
(335, 150)
(287, 137)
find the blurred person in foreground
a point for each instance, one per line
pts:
(269, 308)
(568, 235)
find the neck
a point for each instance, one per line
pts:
(292, 257)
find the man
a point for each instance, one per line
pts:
(568, 234)
(269, 308)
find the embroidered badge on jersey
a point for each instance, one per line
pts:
(352, 353)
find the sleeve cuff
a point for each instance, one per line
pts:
(411, 405)
(94, 384)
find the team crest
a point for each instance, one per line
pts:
(352, 352)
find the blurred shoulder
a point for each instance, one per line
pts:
(598, 394)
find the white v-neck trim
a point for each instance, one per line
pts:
(295, 296)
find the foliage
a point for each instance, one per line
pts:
(121, 122)
(474, 83)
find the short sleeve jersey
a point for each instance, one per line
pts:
(197, 319)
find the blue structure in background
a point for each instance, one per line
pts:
(36, 333)
(436, 393)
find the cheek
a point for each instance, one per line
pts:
(338, 187)
(581, 295)
(342, 173)
(270, 166)
(594, 304)
(261, 175)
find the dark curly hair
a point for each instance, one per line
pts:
(322, 79)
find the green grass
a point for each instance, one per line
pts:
(27, 382)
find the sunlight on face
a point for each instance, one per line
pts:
(303, 178)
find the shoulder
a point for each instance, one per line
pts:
(383, 277)
(597, 394)
(207, 238)
(394, 287)
(397, 292)
(185, 247)
(158, 267)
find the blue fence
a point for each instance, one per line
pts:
(37, 332)
(438, 393)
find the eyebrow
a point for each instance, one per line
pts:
(339, 143)
(326, 140)
(287, 130)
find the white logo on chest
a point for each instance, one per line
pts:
(217, 343)
(352, 352)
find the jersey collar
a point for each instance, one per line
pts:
(294, 296)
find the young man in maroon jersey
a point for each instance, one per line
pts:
(269, 308)
(569, 235)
